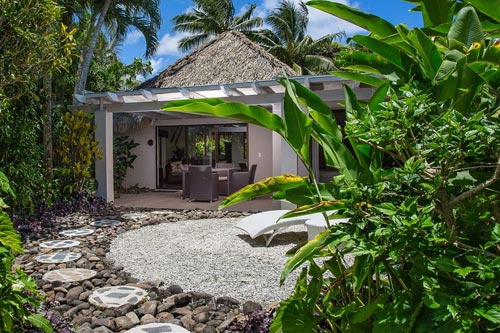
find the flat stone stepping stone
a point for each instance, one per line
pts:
(134, 216)
(59, 244)
(112, 297)
(161, 212)
(105, 223)
(59, 257)
(158, 328)
(69, 274)
(76, 232)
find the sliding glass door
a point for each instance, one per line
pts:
(197, 145)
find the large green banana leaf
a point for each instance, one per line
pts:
(385, 50)
(325, 130)
(467, 27)
(321, 207)
(307, 195)
(436, 12)
(305, 253)
(360, 77)
(428, 54)
(265, 186)
(220, 108)
(489, 8)
(298, 124)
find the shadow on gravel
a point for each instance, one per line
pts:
(284, 238)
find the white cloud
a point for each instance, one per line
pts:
(168, 44)
(133, 37)
(157, 65)
(320, 23)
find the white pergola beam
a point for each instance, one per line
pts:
(227, 91)
(114, 97)
(257, 89)
(149, 95)
(187, 93)
(80, 98)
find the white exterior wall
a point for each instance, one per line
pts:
(143, 174)
(260, 151)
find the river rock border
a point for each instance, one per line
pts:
(196, 311)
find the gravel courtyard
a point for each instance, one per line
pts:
(211, 255)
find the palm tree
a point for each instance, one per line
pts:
(210, 18)
(117, 17)
(287, 40)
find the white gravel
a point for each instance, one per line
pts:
(210, 255)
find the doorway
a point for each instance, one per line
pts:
(197, 145)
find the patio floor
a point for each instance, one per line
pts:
(173, 200)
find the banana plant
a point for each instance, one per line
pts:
(298, 128)
(453, 52)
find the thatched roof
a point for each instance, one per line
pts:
(230, 57)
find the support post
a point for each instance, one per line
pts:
(104, 166)
(284, 158)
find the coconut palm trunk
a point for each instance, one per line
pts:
(88, 52)
(47, 125)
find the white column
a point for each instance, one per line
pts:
(284, 158)
(104, 166)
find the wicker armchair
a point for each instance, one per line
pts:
(238, 180)
(203, 183)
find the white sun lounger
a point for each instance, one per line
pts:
(266, 224)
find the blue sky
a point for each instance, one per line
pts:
(320, 24)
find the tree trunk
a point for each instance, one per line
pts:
(47, 125)
(88, 52)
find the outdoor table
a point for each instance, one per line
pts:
(224, 174)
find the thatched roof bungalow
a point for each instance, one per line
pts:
(230, 67)
(231, 57)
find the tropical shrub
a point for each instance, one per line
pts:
(42, 220)
(420, 183)
(17, 290)
(34, 46)
(33, 43)
(256, 322)
(21, 154)
(76, 151)
(123, 159)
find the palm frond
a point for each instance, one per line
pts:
(189, 42)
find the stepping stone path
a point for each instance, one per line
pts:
(105, 223)
(59, 244)
(76, 232)
(112, 297)
(158, 328)
(69, 275)
(134, 216)
(58, 257)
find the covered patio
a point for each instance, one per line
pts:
(173, 200)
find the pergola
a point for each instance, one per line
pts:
(148, 103)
